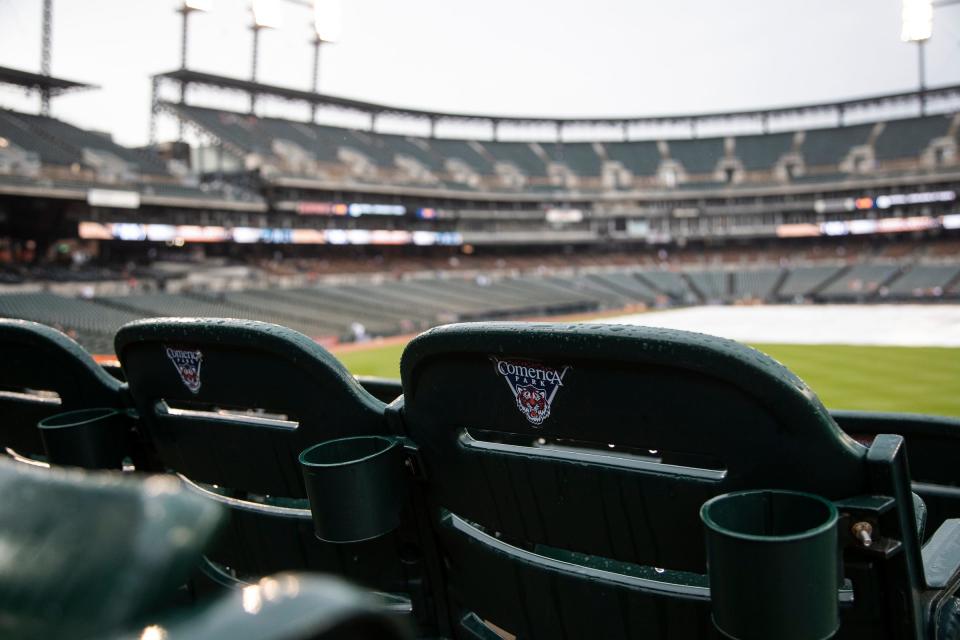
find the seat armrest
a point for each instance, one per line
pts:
(941, 555)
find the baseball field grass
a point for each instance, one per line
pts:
(913, 379)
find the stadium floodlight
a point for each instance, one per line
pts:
(327, 20)
(186, 8)
(917, 20)
(197, 5)
(918, 27)
(267, 14)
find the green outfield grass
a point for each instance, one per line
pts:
(914, 379)
(381, 361)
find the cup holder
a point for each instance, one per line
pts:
(773, 564)
(356, 487)
(89, 438)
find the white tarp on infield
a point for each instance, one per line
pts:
(904, 325)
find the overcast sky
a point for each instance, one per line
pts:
(508, 57)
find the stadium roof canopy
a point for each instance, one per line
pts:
(188, 77)
(38, 81)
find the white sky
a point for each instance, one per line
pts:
(508, 57)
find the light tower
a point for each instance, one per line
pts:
(326, 29)
(918, 27)
(266, 15)
(46, 44)
(186, 9)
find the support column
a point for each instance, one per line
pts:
(154, 109)
(185, 20)
(253, 63)
(317, 42)
(921, 47)
(45, 53)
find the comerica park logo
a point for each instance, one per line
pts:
(533, 385)
(187, 362)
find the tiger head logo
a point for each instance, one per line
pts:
(187, 363)
(533, 385)
(532, 403)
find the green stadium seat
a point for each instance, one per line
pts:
(910, 136)
(579, 157)
(462, 150)
(35, 358)
(572, 511)
(518, 154)
(860, 282)
(698, 156)
(923, 280)
(86, 554)
(831, 146)
(229, 405)
(805, 281)
(711, 285)
(641, 157)
(761, 152)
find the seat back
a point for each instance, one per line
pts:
(233, 402)
(230, 405)
(35, 358)
(547, 446)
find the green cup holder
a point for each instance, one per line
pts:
(773, 564)
(89, 438)
(356, 487)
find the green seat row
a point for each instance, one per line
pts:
(553, 474)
